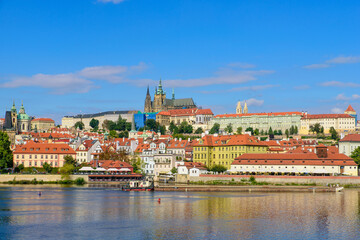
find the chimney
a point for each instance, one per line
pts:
(321, 151)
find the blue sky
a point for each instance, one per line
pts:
(65, 57)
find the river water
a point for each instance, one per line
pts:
(104, 213)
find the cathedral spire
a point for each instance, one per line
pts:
(13, 109)
(245, 108)
(173, 94)
(239, 108)
(147, 92)
(160, 91)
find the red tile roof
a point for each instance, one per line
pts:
(258, 114)
(177, 143)
(198, 165)
(45, 148)
(320, 116)
(351, 138)
(43, 120)
(350, 109)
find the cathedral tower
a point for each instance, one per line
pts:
(238, 108)
(148, 107)
(245, 108)
(14, 117)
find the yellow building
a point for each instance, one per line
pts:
(222, 150)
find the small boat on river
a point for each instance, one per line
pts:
(139, 186)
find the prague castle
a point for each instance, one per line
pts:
(161, 103)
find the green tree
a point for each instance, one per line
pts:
(250, 129)
(280, 132)
(66, 170)
(356, 155)
(229, 128)
(292, 130)
(334, 134)
(70, 160)
(123, 134)
(199, 130)
(172, 127)
(109, 125)
(174, 170)
(317, 128)
(296, 130)
(151, 124)
(271, 131)
(47, 167)
(256, 132)
(94, 123)
(262, 132)
(215, 128)
(113, 134)
(239, 130)
(6, 157)
(185, 127)
(80, 125)
(287, 133)
(275, 132)
(162, 129)
(218, 168)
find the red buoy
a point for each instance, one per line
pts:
(159, 200)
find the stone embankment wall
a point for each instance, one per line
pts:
(321, 180)
(39, 177)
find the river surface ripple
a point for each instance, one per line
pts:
(105, 213)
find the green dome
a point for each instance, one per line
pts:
(23, 116)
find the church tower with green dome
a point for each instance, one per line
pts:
(23, 120)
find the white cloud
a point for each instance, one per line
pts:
(317, 66)
(111, 1)
(340, 84)
(77, 82)
(254, 102)
(341, 96)
(223, 76)
(334, 61)
(337, 110)
(241, 65)
(355, 96)
(84, 80)
(302, 87)
(344, 60)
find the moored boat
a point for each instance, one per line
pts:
(139, 186)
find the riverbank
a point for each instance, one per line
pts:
(248, 188)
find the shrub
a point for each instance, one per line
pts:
(79, 181)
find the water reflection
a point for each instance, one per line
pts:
(79, 213)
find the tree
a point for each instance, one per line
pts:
(356, 155)
(47, 167)
(119, 155)
(317, 128)
(296, 130)
(151, 124)
(113, 134)
(6, 157)
(271, 131)
(250, 129)
(239, 130)
(280, 132)
(334, 134)
(256, 132)
(292, 130)
(218, 168)
(262, 132)
(66, 170)
(199, 130)
(215, 128)
(229, 128)
(174, 170)
(70, 160)
(275, 132)
(80, 125)
(109, 125)
(287, 133)
(172, 127)
(162, 129)
(185, 128)
(94, 123)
